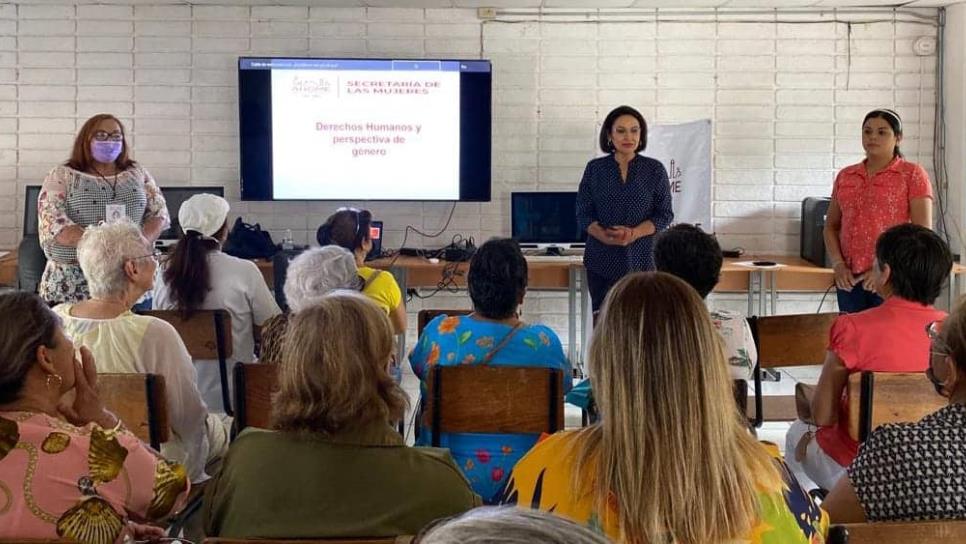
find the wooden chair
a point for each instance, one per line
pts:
(877, 398)
(254, 385)
(493, 399)
(905, 532)
(425, 316)
(786, 340)
(139, 401)
(207, 335)
(360, 540)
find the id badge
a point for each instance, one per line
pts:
(115, 213)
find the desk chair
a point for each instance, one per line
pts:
(786, 340)
(877, 398)
(493, 399)
(207, 335)
(425, 316)
(31, 259)
(254, 385)
(139, 401)
(904, 532)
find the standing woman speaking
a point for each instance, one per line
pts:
(623, 200)
(869, 197)
(100, 182)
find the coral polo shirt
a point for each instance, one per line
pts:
(870, 206)
(888, 338)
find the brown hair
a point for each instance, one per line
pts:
(657, 366)
(333, 372)
(26, 323)
(81, 158)
(187, 271)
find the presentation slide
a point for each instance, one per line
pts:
(366, 129)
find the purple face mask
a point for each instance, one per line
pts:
(107, 151)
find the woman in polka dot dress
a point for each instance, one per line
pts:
(623, 200)
(869, 197)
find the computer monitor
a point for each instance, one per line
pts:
(375, 234)
(545, 220)
(175, 197)
(30, 227)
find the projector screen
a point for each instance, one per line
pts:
(364, 129)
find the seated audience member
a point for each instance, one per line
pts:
(492, 335)
(491, 525)
(350, 228)
(198, 276)
(915, 471)
(333, 466)
(120, 265)
(670, 459)
(311, 274)
(69, 470)
(693, 255)
(910, 267)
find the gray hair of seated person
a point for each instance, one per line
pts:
(318, 271)
(102, 252)
(508, 525)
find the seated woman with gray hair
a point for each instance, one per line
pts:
(494, 525)
(310, 275)
(120, 264)
(333, 466)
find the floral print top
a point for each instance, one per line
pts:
(486, 459)
(80, 483)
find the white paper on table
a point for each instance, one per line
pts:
(752, 265)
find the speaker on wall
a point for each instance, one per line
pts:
(814, 211)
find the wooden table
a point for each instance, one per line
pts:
(8, 268)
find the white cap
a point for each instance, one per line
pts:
(203, 213)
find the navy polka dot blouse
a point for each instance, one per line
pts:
(604, 198)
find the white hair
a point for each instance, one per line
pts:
(102, 252)
(318, 271)
(508, 525)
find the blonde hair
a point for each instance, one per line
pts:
(333, 371)
(671, 452)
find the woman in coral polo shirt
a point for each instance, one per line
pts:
(867, 198)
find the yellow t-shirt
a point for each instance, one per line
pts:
(383, 289)
(542, 480)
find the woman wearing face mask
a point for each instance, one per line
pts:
(100, 182)
(914, 471)
(868, 198)
(623, 200)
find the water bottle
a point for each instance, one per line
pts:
(287, 242)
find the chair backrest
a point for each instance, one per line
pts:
(877, 398)
(207, 335)
(494, 399)
(359, 540)
(254, 385)
(139, 401)
(425, 316)
(791, 340)
(31, 262)
(904, 532)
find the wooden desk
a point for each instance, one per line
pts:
(8, 268)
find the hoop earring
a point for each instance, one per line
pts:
(60, 381)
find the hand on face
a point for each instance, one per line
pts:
(86, 406)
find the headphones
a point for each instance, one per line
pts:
(362, 220)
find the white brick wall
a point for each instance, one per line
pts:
(786, 99)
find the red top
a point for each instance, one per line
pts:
(869, 207)
(888, 338)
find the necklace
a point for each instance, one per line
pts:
(113, 182)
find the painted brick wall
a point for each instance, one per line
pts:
(786, 99)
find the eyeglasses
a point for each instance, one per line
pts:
(156, 254)
(102, 136)
(939, 346)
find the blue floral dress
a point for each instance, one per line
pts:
(486, 459)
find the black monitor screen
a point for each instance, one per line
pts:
(174, 197)
(30, 227)
(545, 218)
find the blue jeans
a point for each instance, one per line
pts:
(857, 300)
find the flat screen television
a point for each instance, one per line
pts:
(174, 197)
(545, 220)
(364, 129)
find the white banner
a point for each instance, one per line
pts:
(685, 151)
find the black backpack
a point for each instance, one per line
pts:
(249, 242)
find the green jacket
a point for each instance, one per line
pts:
(360, 483)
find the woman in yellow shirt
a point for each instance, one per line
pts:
(670, 459)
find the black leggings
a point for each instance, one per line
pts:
(598, 286)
